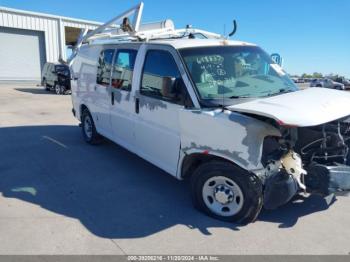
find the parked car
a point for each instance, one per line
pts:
(56, 77)
(217, 112)
(316, 83)
(344, 81)
(298, 80)
(327, 83)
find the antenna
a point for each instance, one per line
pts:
(234, 28)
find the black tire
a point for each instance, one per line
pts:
(318, 85)
(94, 138)
(250, 185)
(59, 90)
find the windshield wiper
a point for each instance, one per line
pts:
(284, 91)
(281, 91)
(235, 97)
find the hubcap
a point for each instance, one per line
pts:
(88, 127)
(222, 196)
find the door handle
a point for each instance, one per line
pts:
(137, 105)
(112, 98)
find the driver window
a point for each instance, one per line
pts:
(161, 77)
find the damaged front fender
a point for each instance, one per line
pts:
(233, 136)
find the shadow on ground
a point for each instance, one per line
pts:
(113, 193)
(36, 91)
(289, 214)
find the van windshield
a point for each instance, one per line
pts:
(233, 72)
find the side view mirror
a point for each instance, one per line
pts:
(175, 90)
(168, 84)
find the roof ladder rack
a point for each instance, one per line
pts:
(122, 28)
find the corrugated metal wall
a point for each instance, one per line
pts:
(50, 25)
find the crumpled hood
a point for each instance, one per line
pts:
(308, 107)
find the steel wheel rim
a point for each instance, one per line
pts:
(222, 196)
(88, 127)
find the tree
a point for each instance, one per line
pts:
(317, 75)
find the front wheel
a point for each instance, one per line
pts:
(226, 192)
(59, 90)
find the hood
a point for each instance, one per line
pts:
(308, 107)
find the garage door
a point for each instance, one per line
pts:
(22, 54)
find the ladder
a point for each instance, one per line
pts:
(123, 28)
(127, 27)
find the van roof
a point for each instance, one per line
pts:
(186, 43)
(182, 42)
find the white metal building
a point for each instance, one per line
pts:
(28, 40)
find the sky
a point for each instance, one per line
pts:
(310, 35)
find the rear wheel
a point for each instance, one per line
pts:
(88, 129)
(226, 192)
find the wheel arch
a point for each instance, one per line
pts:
(83, 107)
(190, 162)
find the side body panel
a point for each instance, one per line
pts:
(84, 70)
(232, 136)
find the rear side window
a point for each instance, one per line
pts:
(123, 69)
(104, 67)
(45, 68)
(159, 67)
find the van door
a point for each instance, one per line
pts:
(102, 92)
(160, 98)
(122, 107)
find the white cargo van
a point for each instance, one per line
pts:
(218, 112)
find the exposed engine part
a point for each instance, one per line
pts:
(328, 179)
(326, 144)
(314, 159)
(291, 162)
(279, 189)
(317, 180)
(284, 178)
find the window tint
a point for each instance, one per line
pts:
(60, 68)
(159, 72)
(104, 67)
(123, 69)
